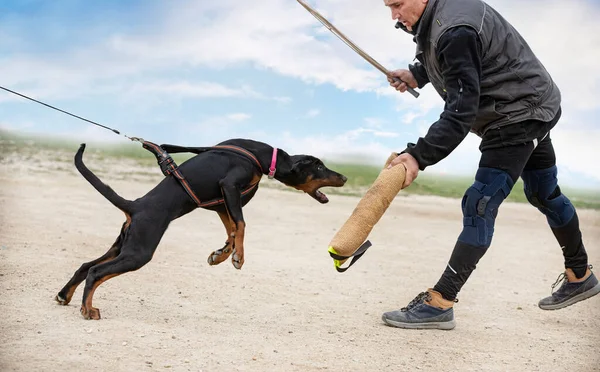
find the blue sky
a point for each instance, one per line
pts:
(197, 72)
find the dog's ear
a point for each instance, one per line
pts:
(300, 162)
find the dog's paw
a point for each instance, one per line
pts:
(60, 300)
(91, 313)
(219, 256)
(237, 260)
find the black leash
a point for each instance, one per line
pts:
(68, 113)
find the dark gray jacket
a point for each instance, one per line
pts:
(514, 86)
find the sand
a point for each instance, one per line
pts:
(287, 309)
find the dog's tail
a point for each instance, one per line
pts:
(118, 201)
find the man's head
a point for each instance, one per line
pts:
(406, 12)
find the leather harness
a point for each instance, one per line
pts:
(169, 167)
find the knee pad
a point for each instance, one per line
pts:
(480, 206)
(542, 191)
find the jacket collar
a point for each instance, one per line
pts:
(423, 25)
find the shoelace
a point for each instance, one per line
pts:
(421, 297)
(561, 278)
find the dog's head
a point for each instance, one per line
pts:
(309, 174)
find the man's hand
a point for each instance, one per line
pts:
(407, 78)
(411, 165)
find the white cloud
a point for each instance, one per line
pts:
(275, 36)
(362, 145)
(385, 134)
(349, 147)
(374, 122)
(237, 117)
(312, 113)
(283, 100)
(283, 37)
(217, 122)
(183, 88)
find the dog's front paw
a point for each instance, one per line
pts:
(237, 259)
(219, 255)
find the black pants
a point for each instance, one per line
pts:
(525, 146)
(513, 149)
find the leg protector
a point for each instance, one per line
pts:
(542, 191)
(480, 206)
(462, 263)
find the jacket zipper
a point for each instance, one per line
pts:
(460, 93)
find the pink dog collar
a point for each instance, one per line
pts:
(272, 168)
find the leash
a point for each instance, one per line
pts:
(75, 116)
(166, 163)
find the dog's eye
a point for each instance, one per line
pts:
(320, 168)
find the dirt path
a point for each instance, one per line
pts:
(287, 309)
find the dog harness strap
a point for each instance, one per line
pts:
(221, 200)
(199, 150)
(168, 167)
(186, 187)
(272, 168)
(243, 151)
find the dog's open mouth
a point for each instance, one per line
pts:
(319, 196)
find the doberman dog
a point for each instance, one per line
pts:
(226, 180)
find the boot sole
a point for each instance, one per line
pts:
(580, 297)
(429, 325)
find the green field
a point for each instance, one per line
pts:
(360, 177)
(454, 187)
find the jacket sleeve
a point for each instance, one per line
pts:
(459, 56)
(420, 74)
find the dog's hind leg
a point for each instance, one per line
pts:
(130, 259)
(222, 254)
(66, 294)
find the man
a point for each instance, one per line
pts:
(494, 86)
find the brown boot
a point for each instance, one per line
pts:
(573, 279)
(438, 301)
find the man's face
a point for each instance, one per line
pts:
(406, 12)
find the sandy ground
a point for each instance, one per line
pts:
(287, 309)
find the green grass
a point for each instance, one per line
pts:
(360, 177)
(16, 142)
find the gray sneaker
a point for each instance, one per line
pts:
(570, 293)
(420, 315)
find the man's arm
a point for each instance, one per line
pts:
(459, 54)
(420, 74)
